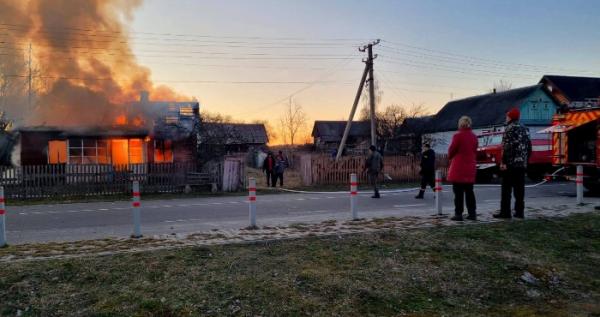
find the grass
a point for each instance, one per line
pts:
(451, 271)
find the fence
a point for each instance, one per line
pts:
(324, 170)
(41, 181)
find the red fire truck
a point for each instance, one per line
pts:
(576, 141)
(489, 155)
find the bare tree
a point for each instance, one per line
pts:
(501, 85)
(391, 118)
(292, 122)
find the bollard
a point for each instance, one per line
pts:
(136, 205)
(252, 201)
(353, 196)
(2, 219)
(579, 181)
(438, 192)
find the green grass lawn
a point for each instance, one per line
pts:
(448, 271)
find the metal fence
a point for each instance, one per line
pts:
(65, 180)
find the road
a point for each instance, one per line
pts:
(82, 221)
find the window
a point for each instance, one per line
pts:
(88, 151)
(163, 151)
(57, 152)
(136, 151)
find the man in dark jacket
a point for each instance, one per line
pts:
(269, 169)
(427, 170)
(281, 163)
(516, 150)
(373, 166)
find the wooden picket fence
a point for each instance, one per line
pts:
(65, 180)
(324, 170)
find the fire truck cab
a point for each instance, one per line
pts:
(576, 141)
(489, 155)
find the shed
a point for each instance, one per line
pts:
(327, 135)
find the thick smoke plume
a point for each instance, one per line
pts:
(84, 68)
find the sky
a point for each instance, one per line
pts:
(247, 58)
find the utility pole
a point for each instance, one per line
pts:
(370, 59)
(29, 80)
(368, 71)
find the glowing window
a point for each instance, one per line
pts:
(57, 152)
(88, 151)
(136, 151)
(163, 151)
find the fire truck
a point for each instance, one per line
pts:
(576, 141)
(489, 155)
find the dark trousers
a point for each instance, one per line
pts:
(277, 176)
(269, 178)
(462, 191)
(513, 181)
(427, 179)
(374, 179)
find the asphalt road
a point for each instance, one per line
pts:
(81, 221)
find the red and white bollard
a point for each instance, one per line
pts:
(579, 182)
(252, 201)
(438, 192)
(136, 205)
(353, 195)
(2, 219)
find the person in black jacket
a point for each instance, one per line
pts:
(427, 170)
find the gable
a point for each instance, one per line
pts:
(538, 108)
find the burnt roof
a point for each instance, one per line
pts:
(485, 110)
(234, 133)
(88, 131)
(575, 88)
(332, 131)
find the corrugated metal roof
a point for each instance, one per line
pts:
(234, 133)
(332, 131)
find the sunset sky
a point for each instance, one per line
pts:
(244, 58)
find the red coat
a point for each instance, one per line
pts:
(462, 154)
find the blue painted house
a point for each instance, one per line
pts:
(489, 111)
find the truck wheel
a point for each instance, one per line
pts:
(592, 186)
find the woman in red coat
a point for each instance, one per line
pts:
(462, 155)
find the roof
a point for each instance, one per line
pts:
(88, 131)
(415, 125)
(575, 88)
(332, 131)
(234, 133)
(485, 110)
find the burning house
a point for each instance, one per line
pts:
(146, 132)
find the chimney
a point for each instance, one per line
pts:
(144, 96)
(494, 91)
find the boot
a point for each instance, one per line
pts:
(457, 217)
(420, 195)
(376, 195)
(502, 215)
(520, 215)
(472, 216)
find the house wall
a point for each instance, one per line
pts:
(538, 109)
(34, 147)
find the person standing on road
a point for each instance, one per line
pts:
(427, 170)
(374, 166)
(269, 169)
(516, 150)
(462, 154)
(281, 163)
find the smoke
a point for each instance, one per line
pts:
(85, 70)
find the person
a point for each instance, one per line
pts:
(269, 169)
(462, 154)
(516, 150)
(427, 170)
(281, 163)
(373, 166)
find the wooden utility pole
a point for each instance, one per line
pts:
(368, 71)
(372, 92)
(30, 78)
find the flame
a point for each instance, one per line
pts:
(87, 69)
